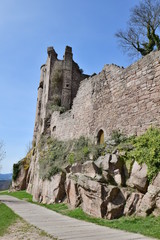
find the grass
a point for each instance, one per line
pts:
(149, 226)
(7, 218)
(23, 195)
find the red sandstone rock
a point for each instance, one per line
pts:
(73, 197)
(20, 183)
(132, 203)
(138, 178)
(148, 202)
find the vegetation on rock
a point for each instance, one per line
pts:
(25, 162)
(56, 155)
(143, 149)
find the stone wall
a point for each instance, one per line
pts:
(126, 99)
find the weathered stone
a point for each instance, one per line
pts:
(20, 183)
(114, 210)
(148, 202)
(67, 168)
(73, 197)
(90, 169)
(90, 192)
(103, 162)
(116, 169)
(156, 212)
(132, 203)
(106, 177)
(115, 160)
(117, 177)
(138, 178)
(53, 191)
(156, 180)
(113, 204)
(76, 168)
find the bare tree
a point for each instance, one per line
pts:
(141, 36)
(2, 152)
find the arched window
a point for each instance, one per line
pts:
(100, 137)
(54, 129)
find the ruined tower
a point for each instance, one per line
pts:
(59, 83)
(67, 78)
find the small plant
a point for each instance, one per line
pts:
(70, 158)
(55, 107)
(117, 137)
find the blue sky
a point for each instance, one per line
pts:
(27, 28)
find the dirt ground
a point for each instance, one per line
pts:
(23, 231)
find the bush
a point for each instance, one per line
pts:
(147, 150)
(143, 149)
(16, 170)
(55, 107)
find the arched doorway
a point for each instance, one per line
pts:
(100, 137)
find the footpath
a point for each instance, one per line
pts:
(63, 227)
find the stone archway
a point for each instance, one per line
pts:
(100, 137)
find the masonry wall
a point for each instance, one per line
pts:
(126, 99)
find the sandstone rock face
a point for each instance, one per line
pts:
(113, 204)
(53, 191)
(112, 168)
(90, 192)
(150, 201)
(20, 183)
(138, 178)
(73, 196)
(156, 180)
(103, 162)
(90, 169)
(132, 203)
(76, 168)
(96, 187)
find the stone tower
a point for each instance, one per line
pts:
(59, 83)
(67, 78)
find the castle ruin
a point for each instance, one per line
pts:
(71, 104)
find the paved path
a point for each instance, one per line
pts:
(63, 227)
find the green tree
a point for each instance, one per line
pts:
(141, 36)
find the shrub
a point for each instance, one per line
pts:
(55, 107)
(147, 150)
(143, 149)
(117, 137)
(16, 170)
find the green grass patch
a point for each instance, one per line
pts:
(7, 218)
(23, 195)
(149, 226)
